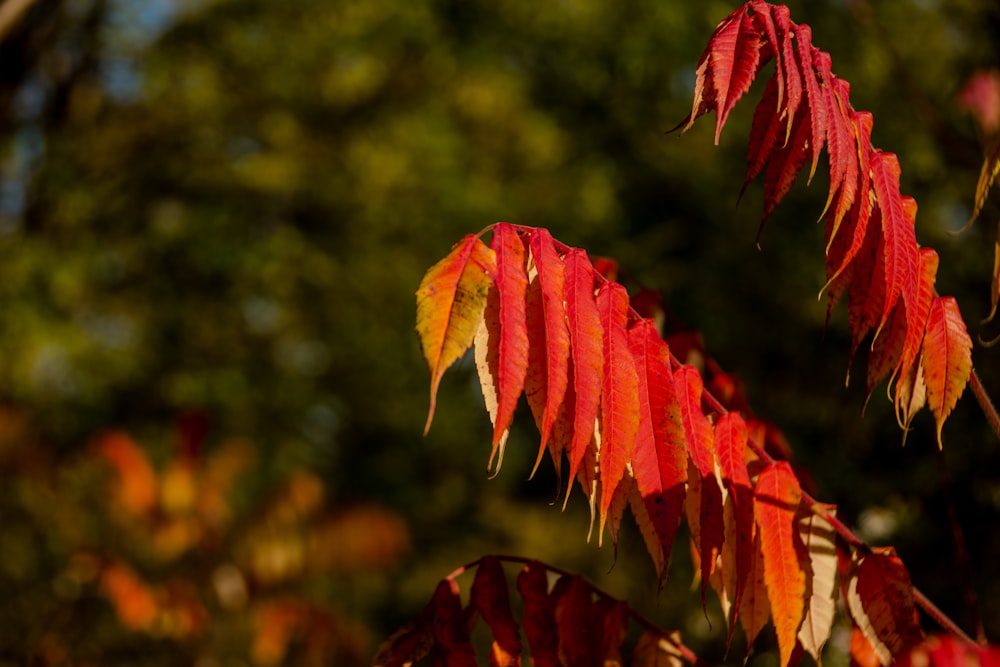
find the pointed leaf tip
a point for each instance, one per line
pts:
(450, 303)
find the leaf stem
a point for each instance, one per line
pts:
(992, 417)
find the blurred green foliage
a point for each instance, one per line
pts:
(226, 206)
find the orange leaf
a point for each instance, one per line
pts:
(136, 487)
(755, 609)
(548, 336)
(490, 598)
(619, 394)
(450, 304)
(946, 358)
(502, 339)
(880, 597)
(777, 498)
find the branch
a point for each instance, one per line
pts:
(841, 528)
(682, 650)
(992, 417)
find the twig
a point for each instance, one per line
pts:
(984, 402)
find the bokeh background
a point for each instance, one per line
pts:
(213, 218)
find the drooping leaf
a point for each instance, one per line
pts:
(880, 598)
(704, 499)
(755, 609)
(576, 624)
(587, 370)
(785, 164)
(730, 447)
(548, 335)
(821, 552)
(911, 396)
(816, 94)
(776, 501)
(539, 618)
(450, 303)
(619, 421)
(502, 340)
(726, 69)
(612, 617)
(659, 459)
(765, 131)
(450, 628)
(490, 598)
(841, 148)
(946, 358)
(898, 237)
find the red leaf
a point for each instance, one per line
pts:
(785, 164)
(450, 303)
(730, 447)
(577, 625)
(490, 598)
(898, 236)
(816, 95)
(704, 500)
(867, 287)
(843, 245)
(777, 498)
(786, 58)
(765, 130)
(659, 460)
(842, 151)
(451, 631)
(945, 651)
(502, 340)
(587, 347)
(539, 620)
(619, 394)
(548, 336)
(612, 629)
(512, 354)
(946, 358)
(726, 68)
(880, 597)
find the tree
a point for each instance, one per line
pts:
(637, 427)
